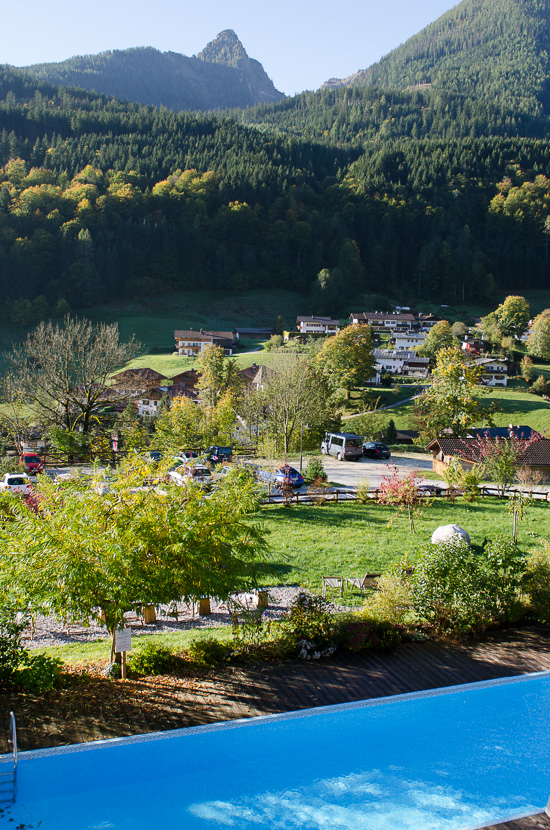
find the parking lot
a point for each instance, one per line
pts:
(348, 473)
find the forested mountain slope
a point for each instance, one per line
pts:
(422, 193)
(221, 76)
(482, 69)
(484, 49)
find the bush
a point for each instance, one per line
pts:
(540, 386)
(152, 659)
(39, 672)
(209, 651)
(394, 598)
(536, 581)
(309, 627)
(12, 652)
(315, 470)
(449, 588)
(504, 567)
(364, 632)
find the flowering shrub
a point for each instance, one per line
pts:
(310, 651)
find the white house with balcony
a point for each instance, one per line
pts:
(317, 325)
(410, 339)
(190, 343)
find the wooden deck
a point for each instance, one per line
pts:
(538, 822)
(97, 708)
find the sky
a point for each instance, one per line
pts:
(300, 43)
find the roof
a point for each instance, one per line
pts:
(536, 454)
(381, 315)
(311, 319)
(524, 433)
(401, 354)
(180, 391)
(191, 334)
(144, 374)
(189, 374)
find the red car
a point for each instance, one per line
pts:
(32, 462)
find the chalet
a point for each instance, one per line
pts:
(402, 362)
(474, 345)
(384, 321)
(410, 339)
(427, 321)
(495, 370)
(148, 400)
(317, 325)
(535, 455)
(188, 379)
(191, 343)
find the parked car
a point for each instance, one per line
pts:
(220, 455)
(154, 456)
(430, 489)
(16, 483)
(31, 462)
(375, 449)
(346, 446)
(184, 474)
(288, 475)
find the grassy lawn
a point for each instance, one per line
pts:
(308, 542)
(153, 321)
(83, 654)
(516, 408)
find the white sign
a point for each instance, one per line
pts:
(123, 640)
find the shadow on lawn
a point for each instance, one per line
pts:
(331, 515)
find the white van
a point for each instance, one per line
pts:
(346, 446)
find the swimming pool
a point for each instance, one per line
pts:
(455, 758)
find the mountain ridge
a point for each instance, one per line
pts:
(222, 76)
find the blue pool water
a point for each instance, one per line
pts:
(446, 760)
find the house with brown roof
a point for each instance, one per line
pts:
(534, 454)
(317, 325)
(137, 378)
(190, 343)
(188, 378)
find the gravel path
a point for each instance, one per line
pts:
(50, 632)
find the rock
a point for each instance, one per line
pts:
(449, 533)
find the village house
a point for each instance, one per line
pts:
(495, 370)
(410, 339)
(402, 362)
(148, 401)
(190, 343)
(188, 379)
(384, 321)
(317, 325)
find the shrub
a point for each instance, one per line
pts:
(536, 581)
(309, 626)
(12, 652)
(209, 651)
(504, 566)
(152, 659)
(449, 588)
(315, 470)
(364, 632)
(394, 598)
(362, 491)
(540, 386)
(39, 672)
